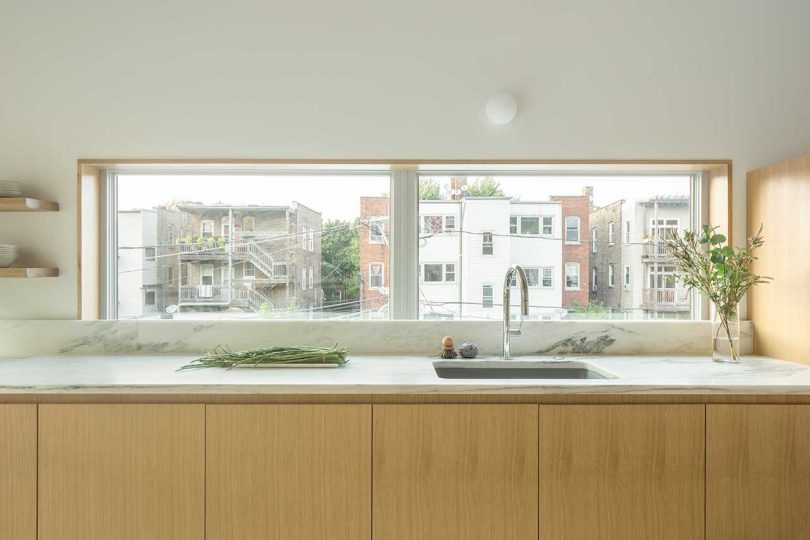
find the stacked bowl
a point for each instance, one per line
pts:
(10, 188)
(8, 254)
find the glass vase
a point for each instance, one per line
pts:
(726, 335)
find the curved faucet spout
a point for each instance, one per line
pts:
(523, 283)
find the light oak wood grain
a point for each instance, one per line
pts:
(18, 472)
(26, 204)
(778, 198)
(758, 472)
(28, 272)
(122, 472)
(455, 471)
(720, 202)
(621, 471)
(288, 472)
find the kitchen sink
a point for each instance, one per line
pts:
(519, 369)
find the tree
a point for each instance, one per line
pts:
(485, 187)
(429, 190)
(340, 261)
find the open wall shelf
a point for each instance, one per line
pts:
(26, 204)
(28, 272)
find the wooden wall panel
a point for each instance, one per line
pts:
(779, 199)
(720, 204)
(621, 471)
(757, 472)
(288, 472)
(18, 472)
(455, 471)
(126, 472)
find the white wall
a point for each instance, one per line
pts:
(371, 79)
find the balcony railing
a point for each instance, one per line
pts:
(654, 250)
(666, 299)
(205, 294)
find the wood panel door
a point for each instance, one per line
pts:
(455, 471)
(758, 471)
(288, 472)
(621, 471)
(18, 472)
(121, 471)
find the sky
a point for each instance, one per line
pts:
(337, 197)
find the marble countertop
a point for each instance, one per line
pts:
(380, 374)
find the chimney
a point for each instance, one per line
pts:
(587, 191)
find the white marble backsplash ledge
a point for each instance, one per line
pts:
(362, 337)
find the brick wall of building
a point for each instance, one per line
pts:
(579, 206)
(370, 253)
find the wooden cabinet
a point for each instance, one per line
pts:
(621, 471)
(121, 471)
(288, 471)
(18, 472)
(758, 471)
(455, 471)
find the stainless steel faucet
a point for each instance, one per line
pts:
(507, 296)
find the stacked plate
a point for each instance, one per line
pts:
(10, 188)
(8, 254)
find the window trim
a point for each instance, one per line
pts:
(594, 239)
(579, 276)
(611, 233)
(484, 244)
(491, 296)
(578, 221)
(377, 221)
(382, 276)
(611, 276)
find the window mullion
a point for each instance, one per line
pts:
(404, 256)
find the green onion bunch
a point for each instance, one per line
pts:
(223, 357)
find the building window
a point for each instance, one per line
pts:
(311, 277)
(611, 278)
(225, 228)
(513, 225)
(149, 298)
(171, 234)
(664, 278)
(487, 247)
(530, 226)
(548, 279)
(450, 272)
(207, 228)
(376, 232)
(311, 244)
(594, 237)
(626, 232)
(304, 237)
(375, 276)
(304, 279)
(149, 254)
(250, 270)
(572, 229)
(593, 279)
(487, 296)
(548, 225)
(611, 233)
(248, 224)
(626, 277)
(449, 224)
(432, 224)
(280, 270)
(432, 273)
(572, 276)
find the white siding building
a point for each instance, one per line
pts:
(461, 273)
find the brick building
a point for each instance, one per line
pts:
(374, 267)
(576, 211)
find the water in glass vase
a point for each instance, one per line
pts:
(726, 335)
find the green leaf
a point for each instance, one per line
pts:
(728, 251)
(718, 239)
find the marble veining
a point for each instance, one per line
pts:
(378, 374)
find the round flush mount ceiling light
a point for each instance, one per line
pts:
(501, 108)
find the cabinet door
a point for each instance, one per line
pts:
(18, 472)
(621, 471)
(758, 471)
(121, 471)
(455, 471)
(288, 471)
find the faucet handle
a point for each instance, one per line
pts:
(515, 332)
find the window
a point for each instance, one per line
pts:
(311, 277)
(449, 223)
(611, 279)
(149, 254)
(611, 233)
(207, 228)
(375, 276)
(280, 270)
(171, 235)
(432, 225)
(626, 232)
(530, 225)
(149, 298)
(250, 270)
(662, 277)
(513, 225)
(207, 274)
(572, 229)
(548, 223)
(225, 228)
(572, 276)
(594, 238)
(449, 272)
(487, 296)
(311, 242)
(593, 280)
(248, 224)
(376, 231)
(487, 247)
(303, 279)
(304, 238)
(548, 279)
(626, 277)
(433, 272)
